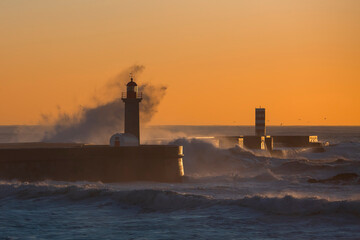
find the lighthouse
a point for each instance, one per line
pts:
(132, 98)
(260, 129)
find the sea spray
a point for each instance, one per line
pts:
(96, 124)
(204, 159)
(274, 201)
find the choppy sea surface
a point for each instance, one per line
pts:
(227, 193)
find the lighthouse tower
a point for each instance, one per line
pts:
(132, 98)
(260, 129)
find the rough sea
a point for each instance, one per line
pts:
(227, 193)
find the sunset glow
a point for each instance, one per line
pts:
(219, 59)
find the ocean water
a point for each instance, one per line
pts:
(227, 193)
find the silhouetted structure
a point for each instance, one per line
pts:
(261, 141)
(123, 160)
(260, 122)
(132, 98)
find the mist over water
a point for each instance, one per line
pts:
(227, 193)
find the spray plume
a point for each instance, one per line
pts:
(97, 124)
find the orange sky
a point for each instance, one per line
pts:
(220, 59)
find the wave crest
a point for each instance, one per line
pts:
(166, 200)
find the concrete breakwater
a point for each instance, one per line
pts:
(80, 162)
